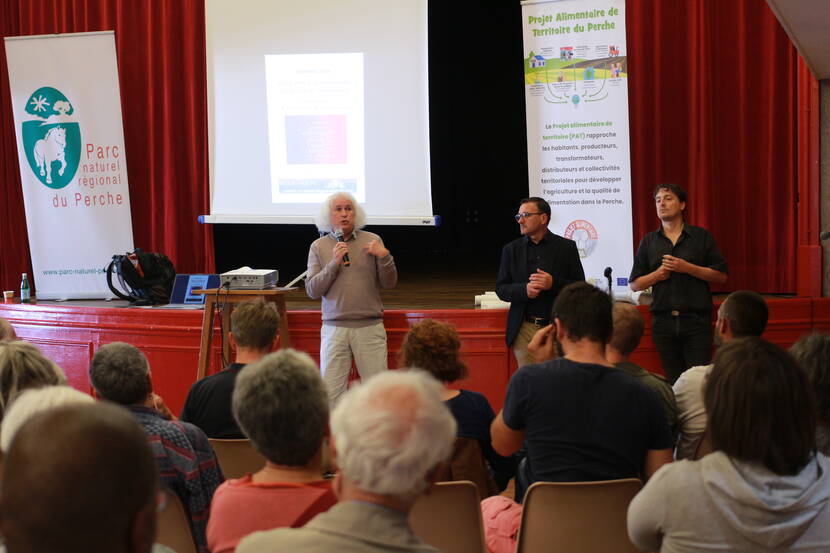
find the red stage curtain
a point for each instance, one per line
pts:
(713, 94)
(161, 60)
(14, 242)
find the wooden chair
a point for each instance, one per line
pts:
(237, 457)
(467, 463)
(173, 526)
(577, 517)
(448, 517)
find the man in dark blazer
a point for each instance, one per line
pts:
(533, 269)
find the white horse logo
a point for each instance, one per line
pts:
(50, 149)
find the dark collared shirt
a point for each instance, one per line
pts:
(540, 305)
(680, 292)
(186, 462)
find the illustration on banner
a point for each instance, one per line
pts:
(571, 76)
(51, 137)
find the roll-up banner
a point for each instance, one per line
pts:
(70, 145)
(576, 92)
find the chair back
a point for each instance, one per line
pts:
(467, 463)
(704, 447)
(448, 517)
(173, 526)
(578, 517)
(237, 457)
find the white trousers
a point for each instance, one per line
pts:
(340, 344)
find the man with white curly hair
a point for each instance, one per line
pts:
(392, 437)
(347, 268)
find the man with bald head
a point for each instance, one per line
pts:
(91, 486)
(392, 436)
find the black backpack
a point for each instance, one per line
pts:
(147, 277)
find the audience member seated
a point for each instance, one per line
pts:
(186, 461)
(282, 404)
(763, 488)
(254, 331)
(742, 313)
(34, 401)
(812, 352)
(628, 330)
(433, 346)
(6, 331)
(391, 435)
(79, 478)
(22, 366)
(581, 418)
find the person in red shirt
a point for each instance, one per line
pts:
(282, 405)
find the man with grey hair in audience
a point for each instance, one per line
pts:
(282, 405)
(79, 478)
(347, 268)
(392, 436)
(187, 463)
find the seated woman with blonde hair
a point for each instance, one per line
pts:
(6, 331)
(434, 347)
(23, 366)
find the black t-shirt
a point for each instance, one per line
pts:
(208, 404)
(584, 422)
(680, 291)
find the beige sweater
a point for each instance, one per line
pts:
(351, 295)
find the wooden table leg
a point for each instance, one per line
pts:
(226, 329)
(207, 338)
(285, 339)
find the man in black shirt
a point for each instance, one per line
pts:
(580, 418)
(678, 261)
(254, 328)
(533, 269)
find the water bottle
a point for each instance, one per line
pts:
(25, 292)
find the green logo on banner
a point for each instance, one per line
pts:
(52, 137)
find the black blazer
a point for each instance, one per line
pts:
(560, 258)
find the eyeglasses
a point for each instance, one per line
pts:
(524, 215)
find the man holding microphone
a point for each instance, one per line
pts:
(347, 268)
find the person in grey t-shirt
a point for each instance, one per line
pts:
(347, 268)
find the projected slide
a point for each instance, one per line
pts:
(315, 126)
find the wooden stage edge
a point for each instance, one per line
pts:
(71, 332)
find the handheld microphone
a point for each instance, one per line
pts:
(339, 235)
(608, 276)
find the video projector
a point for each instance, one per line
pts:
(246, 278)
